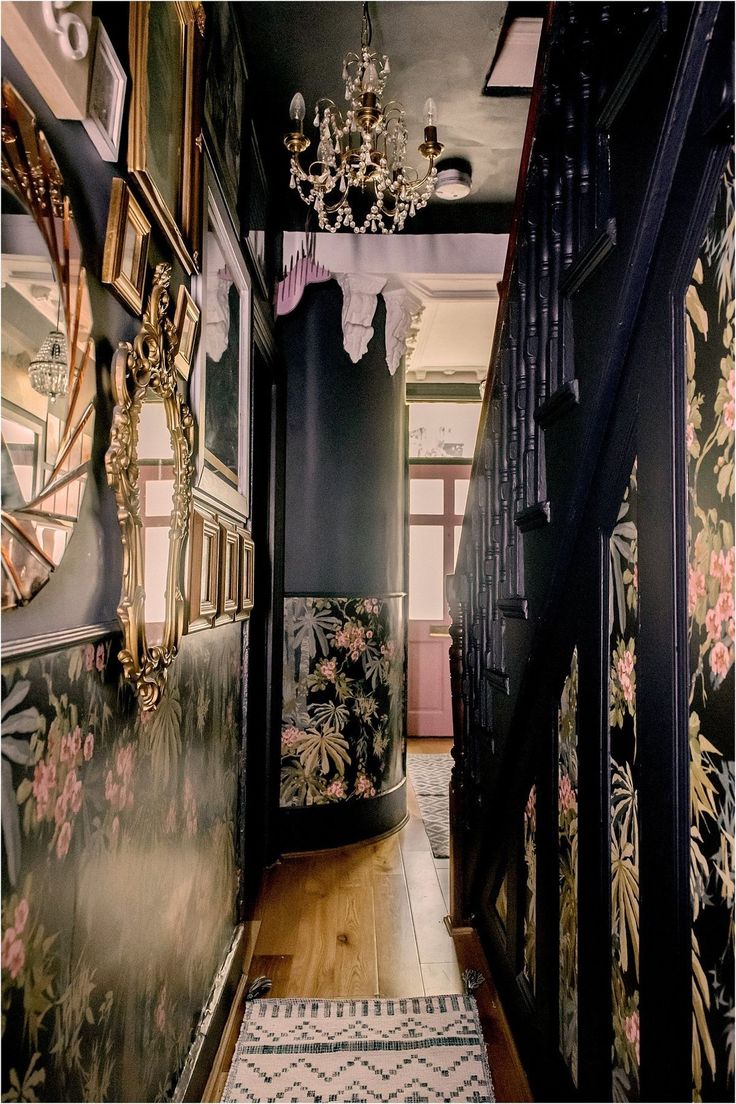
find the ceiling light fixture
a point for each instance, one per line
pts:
(363, 152)
(48, 371)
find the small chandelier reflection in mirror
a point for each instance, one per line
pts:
(48, 371)
(363, 152)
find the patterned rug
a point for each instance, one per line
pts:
(418, 1049)
(430, 777)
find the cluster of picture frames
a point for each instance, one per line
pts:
(151, 462)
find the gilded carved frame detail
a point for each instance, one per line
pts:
(149, 364)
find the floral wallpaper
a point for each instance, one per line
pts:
(567, 815)
(343, 699)
(119, 879)
(623, 620)
(710, 448)
(530, 899)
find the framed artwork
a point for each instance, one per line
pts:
(186, 324)
(126, 246)
(224, 105)
(246, 551)
(229, 573)
(106, 98)
(221, 384)
(204, 569)
(164, 150)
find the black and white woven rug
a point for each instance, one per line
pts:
(417, 1049)
(430, 777)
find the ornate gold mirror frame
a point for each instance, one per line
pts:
(145, 367)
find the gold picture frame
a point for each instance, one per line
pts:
(246, 584)
(186, 324)
(204, 569)
(148, 365)
(127, 239)
(166, 43)
(227, 605)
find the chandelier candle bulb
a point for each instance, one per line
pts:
(298, 109)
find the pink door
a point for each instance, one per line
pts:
(437, 494)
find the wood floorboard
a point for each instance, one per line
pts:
(399, 970)
(356, 972)
(441, 977)
(428, 908)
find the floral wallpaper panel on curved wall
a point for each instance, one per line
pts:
(119, 882)
(343, 699)
(709, 325)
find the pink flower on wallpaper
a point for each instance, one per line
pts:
(75, 742)
(124, 763)
(631, 1030)
(289, 736)
(20, 918)
(100, 657)
(160, 1013)
(567, 797)
(62, 805)
(336, 789)
(689, 434)
(89, 657)
(89, 746)
(372, 605)
(722, 567)
(9, 937)
(14, 953)
(351, 637)
(76, 797)
(114, 831)
(64, 839)
(42, 784)
(713, 623)
(111, 788)
(728, 414)
(328, 669)
(724, 605)
(720, 660)
(364, 787)
(695, 588)
(66, 749)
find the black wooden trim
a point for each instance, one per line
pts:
(594, 840)
(499, 680)
(559, 402)
(340, 594)
(625, 85)
(533, 517)
(515, 608)
(323, 827)
(596, 253)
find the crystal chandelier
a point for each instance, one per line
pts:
(48, 371)
(363, 151)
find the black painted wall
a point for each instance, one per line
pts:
(344, 455)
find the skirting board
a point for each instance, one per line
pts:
(203, 1055)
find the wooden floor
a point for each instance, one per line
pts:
(362, 921)
(365, 921)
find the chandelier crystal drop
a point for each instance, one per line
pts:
(363, 151)
(48, 371)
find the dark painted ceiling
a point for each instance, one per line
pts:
(442, 48)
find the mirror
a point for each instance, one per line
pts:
(149, 466)
(48, 359)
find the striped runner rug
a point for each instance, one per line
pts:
(415, 1049)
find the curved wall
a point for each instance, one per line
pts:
(342, 750)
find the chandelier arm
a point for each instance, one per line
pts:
(326, 101)
(414, 185)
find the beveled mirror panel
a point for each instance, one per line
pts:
(150, 468)
(48, 359)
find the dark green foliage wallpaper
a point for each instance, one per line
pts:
(119, 874)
